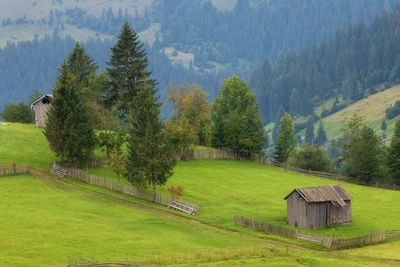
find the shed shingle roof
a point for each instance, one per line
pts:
(325, 193)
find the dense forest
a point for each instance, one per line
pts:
(223, 42)
(348, 66)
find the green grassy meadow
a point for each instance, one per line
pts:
(45, 224)
(224, 188)
(48, 224)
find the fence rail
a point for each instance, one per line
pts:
(116, 186)
(325, 241)
(261, 159)
(14, 169)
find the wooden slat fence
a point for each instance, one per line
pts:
(392, 234)
(325, 241)
(261, 159)
(14, 169)
(117, 186)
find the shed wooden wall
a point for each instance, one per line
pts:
(340, 214)
(40, 113)
(317, 214)
(297, 210)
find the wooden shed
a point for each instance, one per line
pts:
(40, 107)
(316, 207)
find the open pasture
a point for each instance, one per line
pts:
(47, 224)
(224, 188)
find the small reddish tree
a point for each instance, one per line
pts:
(176, 192)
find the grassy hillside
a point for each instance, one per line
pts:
(45, 224)
(224, 188)
(48, 224)
(372, 108)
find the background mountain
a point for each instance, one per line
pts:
(199, 41)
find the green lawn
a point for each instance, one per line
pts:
(224, 188)
(45, 224)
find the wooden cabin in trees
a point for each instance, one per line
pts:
(40, 107)
(316, 207)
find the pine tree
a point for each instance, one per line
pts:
(310, 132)
(286, 140)
(383, 125)
(321, 135)
(68, 128)
(81, 66)
(150, 158)
(394, 154)
(127, 69)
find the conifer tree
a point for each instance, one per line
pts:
(310, 132)
(321, 135)
(394, 154)
(127, 69)
(81, 66)
(68, 128)
(286, 141)
(150, 158)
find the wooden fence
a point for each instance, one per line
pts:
(325, 241)
(117, 186)
(261, 159)
(14, 169)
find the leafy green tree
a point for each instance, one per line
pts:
(321, 139)
(310, 132)
(394, 154)
(116, 162)
(310, 158)
(81, 66)
(68, 128)
(127, 69)
(363, 151)
(236, 119)
(20, 112)
(286, 140)
(150, 158)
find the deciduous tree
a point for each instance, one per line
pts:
(236, 119)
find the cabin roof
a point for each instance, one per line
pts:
(40, 98)
(324, 193)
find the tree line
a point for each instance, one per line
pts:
(348, 67)
(364, 155)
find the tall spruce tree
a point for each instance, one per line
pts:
(286, 141)
(127, 69)
(81, 66)
(321, 138)
(310, 132)
(150, 158)
(394, 154)
(68, 128)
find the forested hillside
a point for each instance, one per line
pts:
(349, 66)
(198, 41)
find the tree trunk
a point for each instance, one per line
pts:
(154, 190)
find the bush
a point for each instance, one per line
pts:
(20, 112)
(311, 158)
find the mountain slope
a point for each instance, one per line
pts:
(372, 108)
